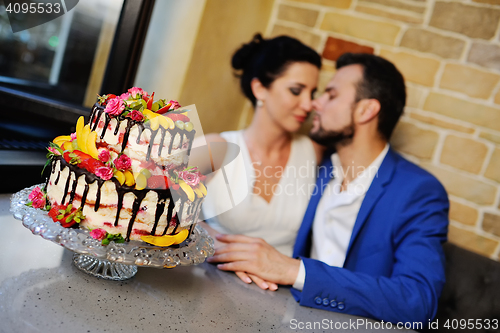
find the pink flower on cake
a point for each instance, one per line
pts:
(73, 136)
(115, 106)
(104, 156)
(136, 115)
(98, 234)
(54, 151)
(123, 162)
(125, 96)
(191, 178)
(37, 198)
(104, 173)
(136, 92)
(174, 104)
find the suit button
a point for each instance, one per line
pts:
(333, 303)
(318, 300)
(326, 301)
(341, 306)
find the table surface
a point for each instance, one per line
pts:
(42, 291)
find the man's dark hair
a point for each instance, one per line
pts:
(381, 81)
(268, 59)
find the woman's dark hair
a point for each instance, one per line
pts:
(267, 59)
(381, 81)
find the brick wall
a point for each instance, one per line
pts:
(449, 54)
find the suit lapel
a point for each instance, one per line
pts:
(377, 188)
(303, 242)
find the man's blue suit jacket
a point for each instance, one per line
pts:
(394, 267)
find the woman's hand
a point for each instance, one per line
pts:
(255, 257)
(248, 278)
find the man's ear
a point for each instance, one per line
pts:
(258, 89)
(368, 109)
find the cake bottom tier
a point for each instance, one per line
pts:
(120, 209)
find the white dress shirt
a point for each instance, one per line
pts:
(336, 213)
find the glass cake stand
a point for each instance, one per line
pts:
(115, 261)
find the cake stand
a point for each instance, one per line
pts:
(115, 261)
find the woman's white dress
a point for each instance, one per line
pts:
(247, 213)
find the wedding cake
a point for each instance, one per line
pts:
(124, 173)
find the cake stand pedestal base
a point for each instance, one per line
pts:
(103, 268)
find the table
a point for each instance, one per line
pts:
(42, 291)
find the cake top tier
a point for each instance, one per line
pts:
(136, 142)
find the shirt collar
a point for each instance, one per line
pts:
(364, 178)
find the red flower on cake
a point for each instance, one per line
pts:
(37, 197)
(105, 173)
(136, 92)
(125, 96)
(115, 106)
(174, 104)
(191, 178)
(123, 162)
(98, 234)
(136, 115)
(104, 155)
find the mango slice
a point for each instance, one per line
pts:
(129, 178)
(61, 139)
(154, 123)
(166, 122)
(120, 176)
(198, 192)
(167, 240)
(202, 188)
(90, 144)
(187, 189)
(79, 125)
(81, 139)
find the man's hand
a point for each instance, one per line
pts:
(255, 257)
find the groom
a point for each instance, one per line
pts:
(370, 241)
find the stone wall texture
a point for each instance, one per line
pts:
(449, 54)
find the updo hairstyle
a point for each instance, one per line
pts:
(268, 59)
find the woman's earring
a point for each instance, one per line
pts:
(259, 103)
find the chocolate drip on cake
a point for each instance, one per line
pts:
(171, 145)
(121, 193)
(135, 208)
(160, 208)
(170, 212)
(84, 195)
(117, 128)
(95, 116)
(141, 129)
(151, 142)
(130, 123)
(73, 190)
(106, 124)
(98, 195)
(160, 149)
(190, 136)
(66, 187)
(57, 178)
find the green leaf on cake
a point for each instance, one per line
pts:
(117, 238)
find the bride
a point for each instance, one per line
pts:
(279, 77)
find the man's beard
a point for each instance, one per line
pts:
(331, 139)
